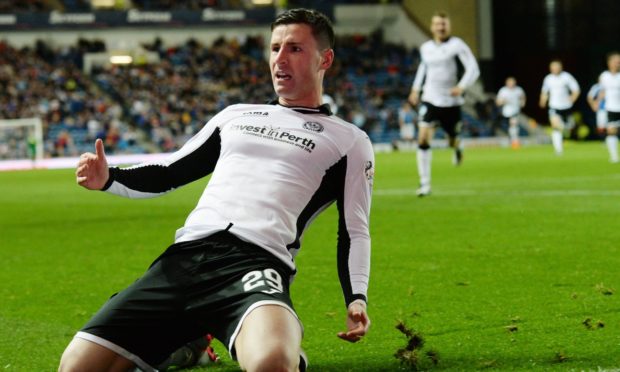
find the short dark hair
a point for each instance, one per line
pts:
(321, 26)
(612, 53)
(441, 14)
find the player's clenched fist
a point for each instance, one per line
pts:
(92, 169)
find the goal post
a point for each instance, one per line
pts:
(21, 138)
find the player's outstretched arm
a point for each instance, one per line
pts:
(92, 169)
(358, 322)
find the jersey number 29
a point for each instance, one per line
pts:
(267, 278)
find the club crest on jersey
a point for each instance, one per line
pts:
(369, 170)
(313, 126)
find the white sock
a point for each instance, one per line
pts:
(612, 146)
(556, 139)
(424, 158)
(513, 133)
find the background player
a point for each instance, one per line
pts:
(559, 91)
(511, 98)
(610, 91)
(597, 104)
(442, 92)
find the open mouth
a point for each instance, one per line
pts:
(283, 76)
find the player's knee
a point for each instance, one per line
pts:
(70, 361)
(276, 359)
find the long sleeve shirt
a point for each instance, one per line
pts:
(273, 170)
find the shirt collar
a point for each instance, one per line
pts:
(323, 109)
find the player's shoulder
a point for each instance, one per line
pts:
(427, 44)
(567, 75)
(457, 43)
(346, 130)
(455, 40)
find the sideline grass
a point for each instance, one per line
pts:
(511, 264)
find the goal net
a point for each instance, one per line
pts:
(21, 139)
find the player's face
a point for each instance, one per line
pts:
(555, 67)
(613, 63)
(440, 28)
(297, 65)
(511, 82)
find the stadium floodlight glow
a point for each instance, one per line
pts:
(121, 60)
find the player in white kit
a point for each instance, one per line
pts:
(559, 92)
(442, 93)
(274, 167)
(511, 98)
(609, 82)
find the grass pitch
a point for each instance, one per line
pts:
(511, 264)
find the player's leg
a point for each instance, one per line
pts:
(456, 143)
(269, 340)
(611, 140)
(557, 130)
(424, 157)
(140, 326)
(82, 353)
(513, 131)
(451, 122)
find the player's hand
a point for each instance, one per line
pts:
(456, 91)
(357, 322)
(92, 169)
(414, 97)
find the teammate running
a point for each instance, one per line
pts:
(511, 98)
(609, 82)
(442, 93)
(560, 90)
(274, 168)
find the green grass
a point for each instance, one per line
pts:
(512, 239)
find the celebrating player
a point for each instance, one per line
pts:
(442, 93)
(273, 168)
(511, 98)
(560, 90)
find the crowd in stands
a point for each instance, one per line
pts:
(45, 83)
(157, 107)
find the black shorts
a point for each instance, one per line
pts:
(449, 118)
(193, 288)
(613, 119)
(565, 114)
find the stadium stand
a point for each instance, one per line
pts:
(156, 107)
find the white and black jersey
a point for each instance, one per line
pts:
(274, 169)
(610, 84)
(559, 89)
(438, 71)
(512, 99)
